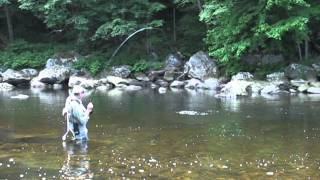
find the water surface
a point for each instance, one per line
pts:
(140, 135)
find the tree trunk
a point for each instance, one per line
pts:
(306, 49)
(299, 50)
(9, 22)
(174, 25)
(199, 3)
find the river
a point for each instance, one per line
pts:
(177, 135)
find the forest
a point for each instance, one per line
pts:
(231, 31)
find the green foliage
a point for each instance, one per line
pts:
(272, 26)
(21, 54)
(94, 63)
(143, 66)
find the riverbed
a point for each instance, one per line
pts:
(177, 135)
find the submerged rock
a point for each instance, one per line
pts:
(6, 87)
(162, 90)
(20, 96)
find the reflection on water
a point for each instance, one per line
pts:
(77, 161)
(140, 135)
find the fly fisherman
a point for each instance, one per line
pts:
(77, 115)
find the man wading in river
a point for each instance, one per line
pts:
(77, 115)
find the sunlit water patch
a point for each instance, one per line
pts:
(149, 135)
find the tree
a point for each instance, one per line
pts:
(5, 5)
(264, 26)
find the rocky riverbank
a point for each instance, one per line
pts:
(199, 72)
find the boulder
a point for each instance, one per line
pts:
(87, 83)
(257, 86)
(315, 84)
(15, 77)
(194, 84)
(276, 76)
(104, 87)
(177, 84)
(121, 71)
(54, 75)
(271, 89)
(154, 75)
(35, 83)
(173, 61)
(298, 71)
(316, 67)
(245, 76)
(200, 66)
(30, 72)
(61, 61)
(6, 87)
(141, 77)
(303, 88)
(235, 88)
(211, 83)
(162, 83)
(57, 86)
(169, 75)
(314, 90)
(298, 82)
(116, 81)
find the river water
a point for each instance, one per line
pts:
(177, 135)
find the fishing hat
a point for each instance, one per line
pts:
(77, 89)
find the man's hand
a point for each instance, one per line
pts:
(90, 107)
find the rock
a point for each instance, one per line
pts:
(271, 89)
(200, 66)
(154, 86)
(257, 86)
(314, 90)
(87, 83)
(194, 84)
(162, 90)
(154, 75)
(121, 71)
(54, 75)
(173, 61)
(1, 79)
(162, 83)
(104, 87)
(61, 61)
(276, 76)
(169, 76)
(177, 84)
(133, 88)
(298, 82)
(211, 83)
(116, 81)
(298, 71)
(315, 84)
(235, 88)
(6, 87)
(35, 83)
(30, 72)
(242, 76)
(57, 86)
(136, 82)
(20, 96)
(2, 69)
(141, 77)
(293, 91)
(316, 67)
(303, 88)
(15, 77)
(103, 81)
